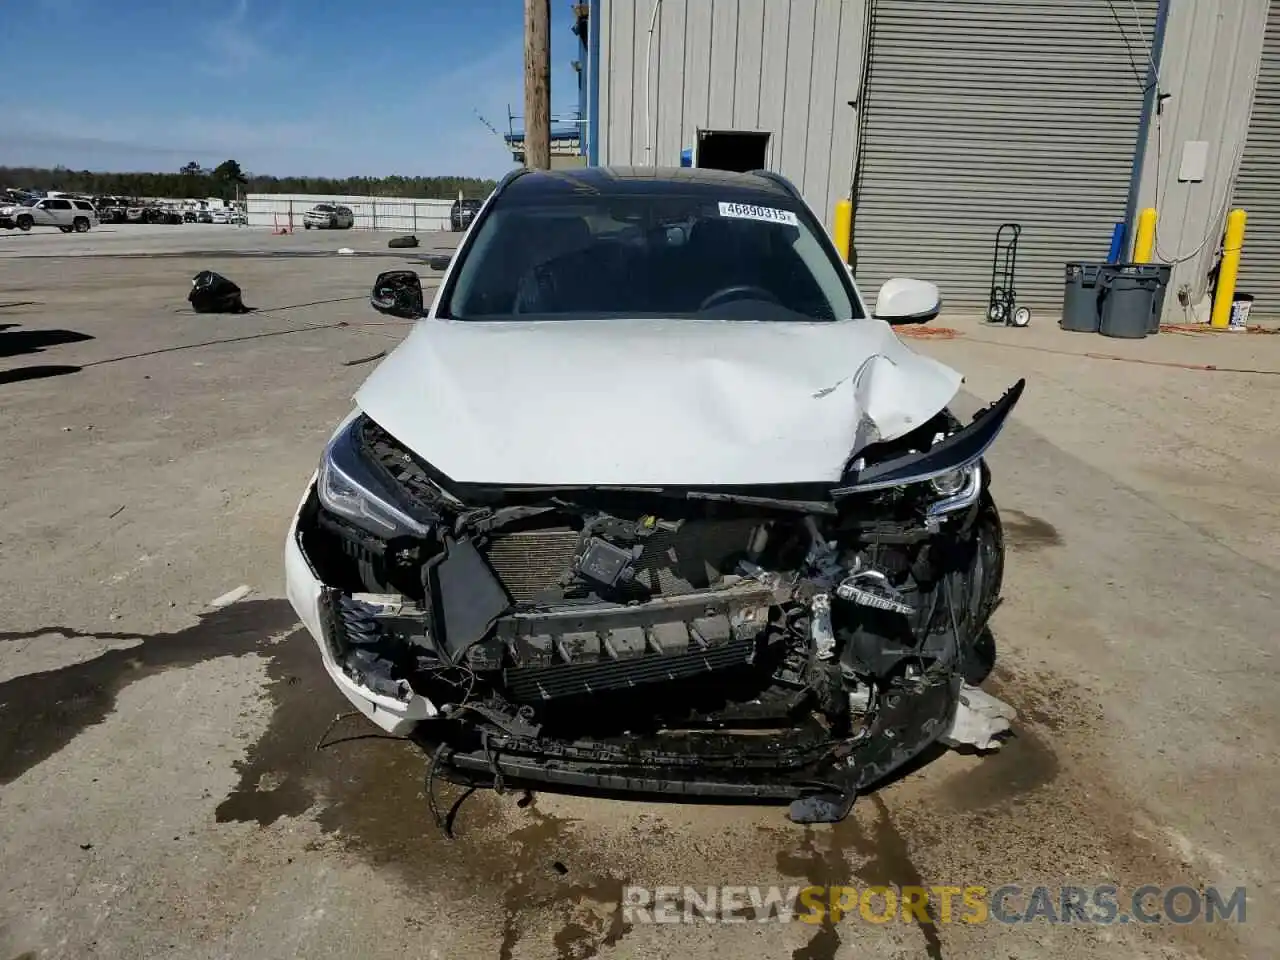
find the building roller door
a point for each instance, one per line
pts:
(978, 113)
(1258, 186)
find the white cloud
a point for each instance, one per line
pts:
(236, 45)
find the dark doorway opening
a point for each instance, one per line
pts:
(737, 150)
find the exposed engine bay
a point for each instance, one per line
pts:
(794, 642)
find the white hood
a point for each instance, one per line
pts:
(651, 402)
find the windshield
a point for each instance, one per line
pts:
(666, 256)
(324, 208)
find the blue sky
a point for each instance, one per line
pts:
(303, 87)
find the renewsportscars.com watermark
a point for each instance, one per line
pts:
(1011, 903)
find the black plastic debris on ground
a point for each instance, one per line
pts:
(398, 243)
(213, 293)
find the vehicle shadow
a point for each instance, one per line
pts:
(17, 342)
(34, 373)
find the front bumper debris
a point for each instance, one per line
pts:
(755, 643)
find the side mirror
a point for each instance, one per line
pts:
(439, 262)
(902, 300)
(398, 293)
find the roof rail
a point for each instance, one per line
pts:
(779, 179)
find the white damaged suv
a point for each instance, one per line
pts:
(649, 501)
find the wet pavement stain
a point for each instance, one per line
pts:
(826, 868)
(368, 795)
(1025, 763)
(539, 884)
(1022, 531)
(40, 713)
(889, 864)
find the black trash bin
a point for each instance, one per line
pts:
(1080, 298)
(1128, 299)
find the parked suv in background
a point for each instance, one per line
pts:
(64, 213)
(462, 213)
(330, 216)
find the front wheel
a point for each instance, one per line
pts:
(1021, 317)
(81, 225)
(25, 222)
(306, 226)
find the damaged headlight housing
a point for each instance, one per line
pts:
(348, 486)
(949, 484)
(956, 489)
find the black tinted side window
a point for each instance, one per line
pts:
(59, 204)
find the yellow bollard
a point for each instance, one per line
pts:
(842, 227)
(1144, 244)
(1228, 269)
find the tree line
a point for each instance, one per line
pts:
(223, 180)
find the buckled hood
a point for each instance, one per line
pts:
(651, 402)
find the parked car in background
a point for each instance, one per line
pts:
(328, 216)
(189, 216)
(462, 213)
(65, 213)
(220, 215)
(205, 216)
(111, 209)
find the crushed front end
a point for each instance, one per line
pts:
(757, 643)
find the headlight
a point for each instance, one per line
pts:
(949, 484)
(958, 489)
(349, 486)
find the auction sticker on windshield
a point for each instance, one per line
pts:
(748, 211)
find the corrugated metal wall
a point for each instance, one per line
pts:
(984, 111)
(1208, 66)
(398, 214)
(1258, 187)
(788, 67)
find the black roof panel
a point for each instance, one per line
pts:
(648, 181)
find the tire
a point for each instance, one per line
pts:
(80, 225)
(25, 222)
(399, 243)
(333, 223)
(1021, 316)
(65, 229)
(306, 226)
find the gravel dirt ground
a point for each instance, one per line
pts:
(160, 787)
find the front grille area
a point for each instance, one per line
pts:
(694, 557)
(691, 558)
(530, 561)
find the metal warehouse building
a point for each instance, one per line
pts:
(943, 119)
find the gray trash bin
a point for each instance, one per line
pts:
(1162, 271)
(1128, 299)
(1080, 298)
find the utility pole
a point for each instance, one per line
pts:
(537, 84)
